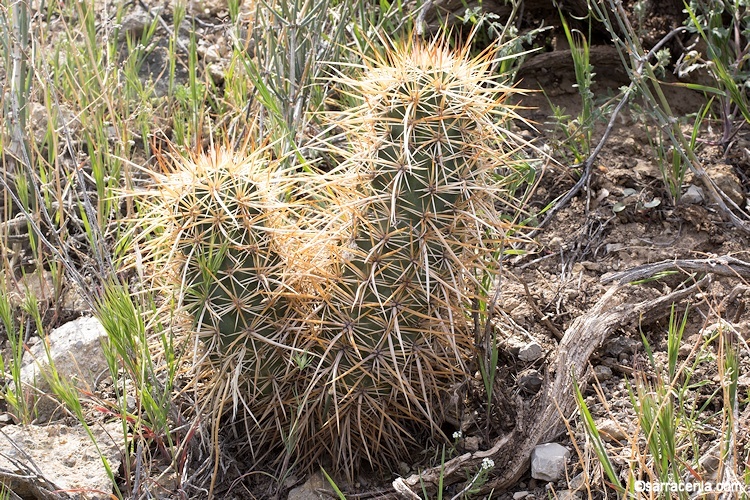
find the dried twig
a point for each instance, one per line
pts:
(723, 266)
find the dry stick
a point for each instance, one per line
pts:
(540, 420)
(723, 266)
(589, 163)
(633, 49)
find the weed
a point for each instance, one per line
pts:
(727, 47)
(674, 408)
(14, 392)
(646, 84)
(576, 133)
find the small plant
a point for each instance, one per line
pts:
(727, 46)
(14, 392)
(577, 132)
(646, 83)
(294, 44)
(674, 417)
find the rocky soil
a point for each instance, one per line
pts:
(610, 226)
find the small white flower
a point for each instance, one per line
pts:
(458, 435)
(487, 463)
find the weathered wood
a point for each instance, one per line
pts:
(542, 419)
(723, 266)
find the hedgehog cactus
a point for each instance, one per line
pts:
(429, 145)
(342, 339)
(222, 235)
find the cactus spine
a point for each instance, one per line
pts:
(218, 217)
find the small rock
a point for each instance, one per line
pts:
(134, 24)
(556, 243)
(315, 488)
(603, 373)
(576, 483)
(687, 345)
(471, 443)
(66, 457)
(611, 430)
(75, 349)
(404, 469)
(548, 461)
(530, 381)
(566, 495)
(726, 180)
(518, 495)
(693, 196)
(644, 169)
(211, 54)
(530, 352)
(622, 345)
(217, 71)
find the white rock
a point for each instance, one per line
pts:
(530, 352)
(611, 430)
(65, 456)
(518, 495)
(693, 196)
(548, 461)
(76, 351)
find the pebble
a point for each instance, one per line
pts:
(135, 23)
(576, 483)
(530, 352)
(404, 469)
(530, 381)
(693, 196)
(471, 444)
(548, 461)
(611, 430)
(603, 373)
(520, 494)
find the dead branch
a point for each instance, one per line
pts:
(723, 266)
(541, 420)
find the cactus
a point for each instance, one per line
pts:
(225, 246)
(429, 143)
(338, 322)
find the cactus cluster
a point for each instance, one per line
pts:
(339, 321)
